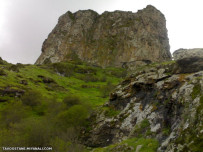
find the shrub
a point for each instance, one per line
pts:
(103, 79)
(60, 145)
(13, 113)
(88, 78)
(111, 111)
(117, 73)
(32, 98)
(64, 69)
(73, 117)
(15, 68)
(54, 108)
(2, 72)
(106, 89)
(38, 132)
(1, 61)
(86, 70)
(31, 132)
(71, 100)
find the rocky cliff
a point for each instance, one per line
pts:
(111, 39)
(161, 102)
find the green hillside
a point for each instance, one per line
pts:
(40, 105)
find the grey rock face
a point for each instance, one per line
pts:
(111, 39)
(169, 104)
(189, 60)
(188, 53)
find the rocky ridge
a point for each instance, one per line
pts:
(121, 39)
(160, 102)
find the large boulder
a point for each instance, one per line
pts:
(111, 39)
(189, 60)
(187, 53)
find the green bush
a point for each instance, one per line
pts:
(1, 61)
(106, 89)
(88, 78)
(111, 111)
(2, 72)
(64, 68)
(75, 116)
(71, 100)
(103, 79)
(54, 108)
(60, 145)
(32, 98)
(13, 113)
(85, 70)
(38, 132)
(31, 132)
(119, 73)
(14, 68)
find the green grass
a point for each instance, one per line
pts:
(148, 145)
(110, 111)
(61, 94)
(63, 84)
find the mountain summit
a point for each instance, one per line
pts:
(116, 38)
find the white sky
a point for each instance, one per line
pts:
(25, 24)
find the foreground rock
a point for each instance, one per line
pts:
(189, 60)
(111, 39)
(153, 103)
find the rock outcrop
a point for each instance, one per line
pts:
(188, 53)
(189, 60)
(111, 39)
(157, 103)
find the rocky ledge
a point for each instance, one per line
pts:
(161, 102)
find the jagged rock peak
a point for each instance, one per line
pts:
(116, 38)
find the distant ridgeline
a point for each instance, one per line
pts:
(119, 39)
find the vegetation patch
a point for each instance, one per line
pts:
(142, 129)
(52, 95)
(2, 72)
(71, 15)
(111, 111)
(130, 145)
(196, 91)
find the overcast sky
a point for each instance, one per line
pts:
(25, 24)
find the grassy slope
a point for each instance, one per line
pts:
(89, 91)
(92, 86)
(130, 145)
